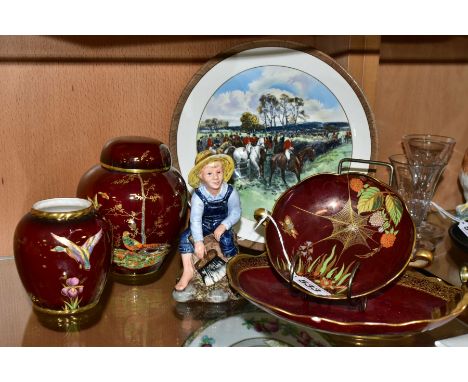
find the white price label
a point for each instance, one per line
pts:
(309, 286)
(463, 227)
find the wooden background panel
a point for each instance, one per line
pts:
(173, 49)
(424, 98)
(55, 119)
(57, 112)
(424, 49)
(170, 49)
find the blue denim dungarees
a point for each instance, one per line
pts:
(214, 213)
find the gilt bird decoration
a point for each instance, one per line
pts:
(134, 245)
(81, 254)
(288, 227)
(139, 255)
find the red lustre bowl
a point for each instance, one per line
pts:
(63, 255)
(143, 198)
(345, 236)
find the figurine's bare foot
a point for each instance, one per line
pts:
(187, 276)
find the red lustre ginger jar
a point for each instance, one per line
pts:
(63, 255)
(143, 198)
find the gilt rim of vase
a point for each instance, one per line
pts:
(62, 208)
(135, 170)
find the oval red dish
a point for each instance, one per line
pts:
(415, 303)
(345, 236)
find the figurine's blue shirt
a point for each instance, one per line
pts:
(197, 207)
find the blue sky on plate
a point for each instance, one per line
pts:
(242, 92)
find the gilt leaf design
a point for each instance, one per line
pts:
(370, 199)
(394, 208)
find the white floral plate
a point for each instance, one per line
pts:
(254, 329)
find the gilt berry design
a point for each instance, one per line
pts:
(356, 184)
(387, 240)
(377, 219)
(386, 209)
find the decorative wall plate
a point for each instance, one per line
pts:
(416, 303)
(345, 236)
(266, 93)
(253, 329)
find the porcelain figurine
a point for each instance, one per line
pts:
(209, 242)
(63, 255)
(144, 199)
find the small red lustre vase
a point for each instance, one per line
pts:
(63, 255)
(144, 199)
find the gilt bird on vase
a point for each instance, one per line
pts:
(81, 254)
(134, 245)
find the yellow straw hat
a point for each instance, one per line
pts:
(205, 157)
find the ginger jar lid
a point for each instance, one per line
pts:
(136, 154)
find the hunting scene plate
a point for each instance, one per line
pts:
(281, 113)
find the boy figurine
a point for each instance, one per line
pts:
(215, 208)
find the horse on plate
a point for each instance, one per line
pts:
(294, 164)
